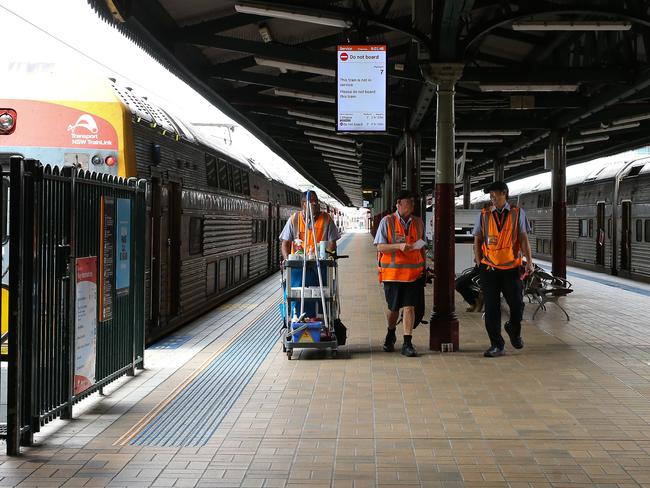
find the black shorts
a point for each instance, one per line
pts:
(401, 294)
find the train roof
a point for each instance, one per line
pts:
(596, 170)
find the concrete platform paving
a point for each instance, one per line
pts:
(570, 409)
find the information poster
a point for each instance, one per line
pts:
(123, 247)
(85, 324)
(361, 88)
(106, 258)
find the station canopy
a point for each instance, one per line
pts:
(531, 68)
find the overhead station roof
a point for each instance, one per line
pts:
(530, 68)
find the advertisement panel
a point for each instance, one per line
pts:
(361, 88)
(85, 324)
(123, 247)
(106, 258)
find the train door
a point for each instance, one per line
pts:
(174, 246)
(626, 235)
(155, 268)
(600, 234)
(278, 229)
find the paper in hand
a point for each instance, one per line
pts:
(419, 244)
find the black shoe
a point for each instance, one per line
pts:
(494, 352)
(409, 351)
(516, 341)
(389, 343)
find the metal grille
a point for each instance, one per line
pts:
(194, 415)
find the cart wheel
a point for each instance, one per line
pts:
(289, 352)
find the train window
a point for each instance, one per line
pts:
(531, 226)
(244, 266)
(583, 230)
(231, 261)
(569, 249)
(635, 170)
(223, 274)
(544, 199)
(211, 170)
(262, 231)
(573, 251)
(196, 235)
(237, 274)
(639, 230)
(245, 188)
(538, 245)
(547, 246)
(236, 176)
(609, 228)
(591, 227)
(254, 233)
(223, 174)
(647, 230)
(572, 196)
(211, 278)
(231, 184)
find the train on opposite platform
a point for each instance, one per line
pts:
(608, 214)
(213, 216)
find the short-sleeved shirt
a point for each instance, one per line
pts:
(381, 237)
(289, 233)
(524, 226)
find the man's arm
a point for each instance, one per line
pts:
(478, 249)
(391, 248)
(525, 246)
(286, 249)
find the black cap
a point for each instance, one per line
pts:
(404, 194)
(496, 186)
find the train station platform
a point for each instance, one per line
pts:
(219, 404)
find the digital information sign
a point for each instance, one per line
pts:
(361, 88)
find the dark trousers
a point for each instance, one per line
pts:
(493, 284)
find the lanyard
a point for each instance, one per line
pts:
(500, 218)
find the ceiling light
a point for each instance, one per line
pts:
(335, 146)
(329, 137)
(255, 8)
(600, 130)
(317, 97)
(529, 87)
(313, 125)
(265, 33)
(350, 165)
(495, 132)
(587, 140)
(284, 65)
(633, 118)
(571, 25)
(308, 115)
(485, 140)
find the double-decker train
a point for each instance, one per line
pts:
(608, 214)
(213, 216)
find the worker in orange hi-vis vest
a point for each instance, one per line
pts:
(500, 238)
(401, 264)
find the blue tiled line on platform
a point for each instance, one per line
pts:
(194, 415)
(613, 284)
(173, 342)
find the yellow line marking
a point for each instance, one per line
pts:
(142, 423)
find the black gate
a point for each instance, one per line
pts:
(75, 294)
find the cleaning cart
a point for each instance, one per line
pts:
(310, 311)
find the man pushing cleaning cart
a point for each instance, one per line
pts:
(310, 282)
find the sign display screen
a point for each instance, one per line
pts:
(361, 88)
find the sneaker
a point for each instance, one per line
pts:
(494, 352)
(409, 351)
(389, 343)
(516, 341)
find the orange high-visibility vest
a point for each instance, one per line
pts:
(501, 248)
(320, 226)
(399, 265)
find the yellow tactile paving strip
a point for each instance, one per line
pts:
(571, 409)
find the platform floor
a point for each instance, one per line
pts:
(570, 409)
